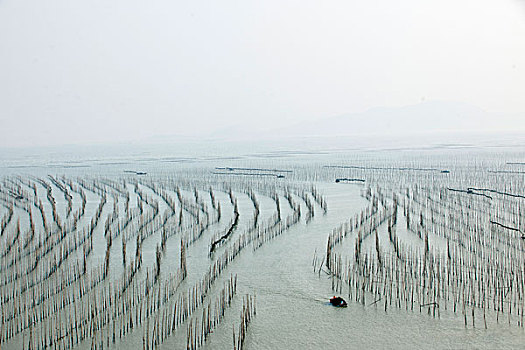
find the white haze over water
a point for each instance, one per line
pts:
(79, 72)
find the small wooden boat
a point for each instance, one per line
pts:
(338, 302)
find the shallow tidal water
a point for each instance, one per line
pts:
(291, 298)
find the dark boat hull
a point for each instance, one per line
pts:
(338, 302)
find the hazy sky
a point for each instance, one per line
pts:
(96, 71)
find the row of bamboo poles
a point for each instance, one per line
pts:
(57, 263)
(446, 255)
(249, 310)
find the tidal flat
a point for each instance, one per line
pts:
(244, 252)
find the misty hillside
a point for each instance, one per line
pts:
(424, 117)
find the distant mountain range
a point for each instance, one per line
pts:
(427, 117)
(427, 124)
